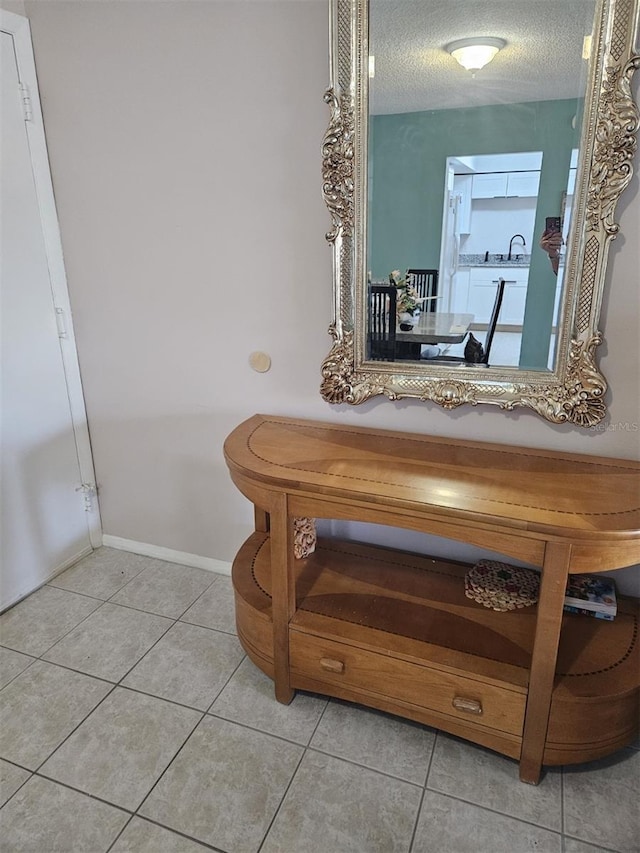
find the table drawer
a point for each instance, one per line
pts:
(332, 662)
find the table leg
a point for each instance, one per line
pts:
(553, 583)
(261, 520)
(283, 594)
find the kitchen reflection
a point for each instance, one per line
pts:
(488, 232)
(478, 217)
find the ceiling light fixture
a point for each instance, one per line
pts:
(475, 53)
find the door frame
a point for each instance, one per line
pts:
(17, 26)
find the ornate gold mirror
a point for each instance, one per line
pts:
(433, 172)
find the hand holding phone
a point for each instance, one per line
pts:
(551, 241)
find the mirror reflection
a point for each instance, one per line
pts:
(471, 176)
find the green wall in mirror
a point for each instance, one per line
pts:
(408, 153)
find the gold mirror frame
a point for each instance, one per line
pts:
(573, 391)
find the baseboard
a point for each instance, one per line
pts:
(220, 567)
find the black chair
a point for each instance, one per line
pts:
(426, 283)
(382, 322)
(474, 351)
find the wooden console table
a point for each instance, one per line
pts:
(394, 630)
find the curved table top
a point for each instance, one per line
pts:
(548, 494)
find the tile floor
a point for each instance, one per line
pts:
(132, 721)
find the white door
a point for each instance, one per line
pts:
(48, 515)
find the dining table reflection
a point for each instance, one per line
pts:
(437, 327)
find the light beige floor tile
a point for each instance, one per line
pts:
(335, 807)
(12, 664)
(601, 801)
(215, 607)
(485, 778)
(249, 698)
(451, 826)
(41, 707)
(119, 752)
(11, 778)
(141, 836)
(166, 589)
(225, 785)
(189, 665)
(47, 818)
(39, 621)
(376, 740)
(109, 642)
(572, 845)
(103, 573)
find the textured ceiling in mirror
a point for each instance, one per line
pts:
(414, 73)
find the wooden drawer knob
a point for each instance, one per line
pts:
(469, 706)
(332, 665)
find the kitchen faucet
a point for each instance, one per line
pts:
(511, 243)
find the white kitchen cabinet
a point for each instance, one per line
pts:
(523, 184)
(483, 282)
(460, 292)
(490, 185)
(505, 184)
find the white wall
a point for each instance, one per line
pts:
(185, 147)
(495, 220)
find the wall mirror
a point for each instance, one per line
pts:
(487, 193)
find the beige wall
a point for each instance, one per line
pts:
(15, 6)
(184, 140)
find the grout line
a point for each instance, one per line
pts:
(75, 592)
(161, 776)
(84, 793)
(282, 799)
(254, 729)
(209, 628)
(562, 825)
(327, 701)
(417, 820)
(119, 834)
(66, 633)
(219, 693)
(424, 793)
(77, 672)
(75, 729)
(595, 844)
(495, 811)
(152, 646)
(21, 785)
(18, 674)
(364, 767)
(185, 835)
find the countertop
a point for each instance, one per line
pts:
(493, 261)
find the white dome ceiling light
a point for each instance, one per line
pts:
(474, 53)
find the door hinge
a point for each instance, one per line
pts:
(89, 490)
(62, 329)
(25, 97)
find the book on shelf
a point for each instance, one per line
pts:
(593, 593)
(569, 608)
